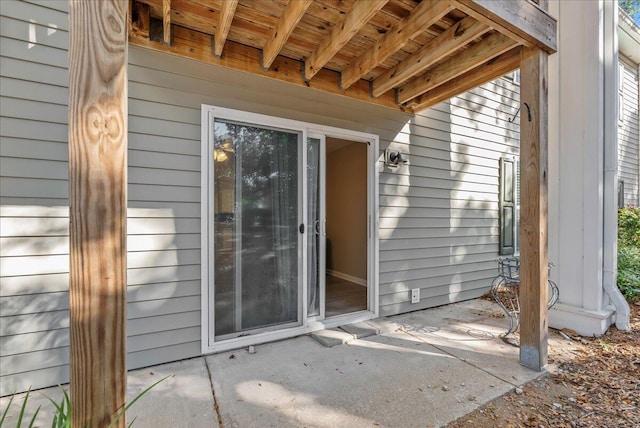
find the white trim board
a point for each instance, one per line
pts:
(347, 277)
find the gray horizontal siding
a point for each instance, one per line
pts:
(34, 317)
(629, 135)
(439, 214)
(164, 210)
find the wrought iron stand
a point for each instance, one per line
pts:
(505, 291)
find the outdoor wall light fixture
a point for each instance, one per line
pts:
(394, 158)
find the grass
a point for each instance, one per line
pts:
(62, 416)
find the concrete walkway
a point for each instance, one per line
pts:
(423, 369)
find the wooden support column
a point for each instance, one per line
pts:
(533, 209)
(98, 209)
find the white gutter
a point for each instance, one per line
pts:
(610, 184)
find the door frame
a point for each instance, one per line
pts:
(208, 116)
(322, 196)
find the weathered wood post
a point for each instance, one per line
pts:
(533, 211)
(97, 208)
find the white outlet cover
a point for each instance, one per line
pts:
(415, 295)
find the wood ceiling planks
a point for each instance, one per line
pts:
(406, 50)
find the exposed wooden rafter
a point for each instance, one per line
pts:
(224, 24)
(485, 73)
(454, 38)
(342, 32)
(166, 21)
(423, 16)
(371, 50)
(286, 24)
(198, 46)
(524, 21)
(489, 48)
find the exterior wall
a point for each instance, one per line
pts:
(438, 214)
(581, 106)
(629, 134)
(164, 210)
(439, 226)
(34, 339)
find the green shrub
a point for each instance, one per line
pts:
(629, 252)
(629, 272)
(629, 227)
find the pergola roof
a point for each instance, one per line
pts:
(404, 54)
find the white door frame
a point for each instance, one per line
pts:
(208, 116)
(322, 191)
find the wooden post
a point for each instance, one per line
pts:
(97, 208)
(533, 210)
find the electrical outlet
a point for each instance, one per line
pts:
(415, 295)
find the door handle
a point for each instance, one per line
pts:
(324, 227)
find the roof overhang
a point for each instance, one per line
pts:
(402, 54)
(628, 37)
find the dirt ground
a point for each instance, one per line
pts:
(596, 384)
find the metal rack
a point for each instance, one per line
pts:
(505, 291)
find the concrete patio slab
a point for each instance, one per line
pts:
(377, 381)
(469, 331)
(183, 399)
(424, 368)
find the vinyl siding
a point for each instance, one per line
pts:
(438, 214)
(438, 223)
(163, 225)
(629, 135)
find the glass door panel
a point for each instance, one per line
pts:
(256, 212)
(316, 226)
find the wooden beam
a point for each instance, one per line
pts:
(448, 42)
(195, 45)
(533, 211)
(422, 17)
(485, 73)
(291, 15)
(98, 209)
(523, 21)
(166, 21)
(226, 18)
(491, 47)
(342, 32)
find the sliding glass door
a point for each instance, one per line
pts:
(316, 223)
(256, 206)
(265, 242)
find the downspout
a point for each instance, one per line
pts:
(610, 238)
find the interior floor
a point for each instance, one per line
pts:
(343, 297)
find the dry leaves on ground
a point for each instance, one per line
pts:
(597, 385)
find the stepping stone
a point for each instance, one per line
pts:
(360, 329)
(332, 337)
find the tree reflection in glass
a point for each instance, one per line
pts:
(255, 227)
